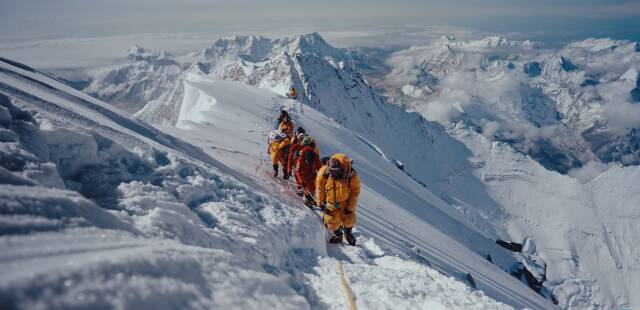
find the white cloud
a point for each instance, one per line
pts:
(589, 171)
(622, 116)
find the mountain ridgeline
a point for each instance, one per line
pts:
(554, 105)
(485, 125)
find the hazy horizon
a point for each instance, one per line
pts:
(544, 20)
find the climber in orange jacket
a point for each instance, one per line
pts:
(293, 94)
(307, 165)
(278, 149)
(296, 146)
(337, 192)
(285, 124)
(294, 152)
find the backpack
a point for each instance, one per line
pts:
(338, 190)
(273, 135)
(286, 149)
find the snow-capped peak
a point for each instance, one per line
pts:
(311, 42)
(632, 79)
(529, 44)
(631, 76)
(135, 51)
(596, 45)
(161, 58)
(312, 38)
(258, 48)
(255, 48)
(493, 42)
(557, 63)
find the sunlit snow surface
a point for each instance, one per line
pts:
(476, 188)
(100, 209)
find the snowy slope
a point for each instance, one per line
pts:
(485, 193)
(503, 100)
(584, 228)
(398, 213)
(149, 77)
(327, 80)
(99, 209)
(483, 190)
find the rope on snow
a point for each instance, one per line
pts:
(345, 286)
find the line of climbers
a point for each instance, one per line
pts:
(329, 183)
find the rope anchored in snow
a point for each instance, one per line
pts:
(347, 289)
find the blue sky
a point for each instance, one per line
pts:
(541, 19)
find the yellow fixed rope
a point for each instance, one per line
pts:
(345, 286)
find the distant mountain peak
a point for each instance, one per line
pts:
(312, 36)
(313, 43)
(139, 53)
(135, 50)
(559, 63)
(631, 75)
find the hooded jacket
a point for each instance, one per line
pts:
(279, 150)
(307, 170)
(286, 126)
(339, 193)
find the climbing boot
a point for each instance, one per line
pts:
(275, 170)
(337, 238)
(309, 201)
(351, 240)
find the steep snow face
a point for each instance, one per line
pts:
(326, 79)
(150, 77)
(98, 210)
(267, 63)
(495, 87)
(583, 228)
(565, 108)
(431, 232)
(543, 104)
(508, 105)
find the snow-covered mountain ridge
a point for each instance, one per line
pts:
(499, 191)
(99, 209)
(151, 77)
(326, 80)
